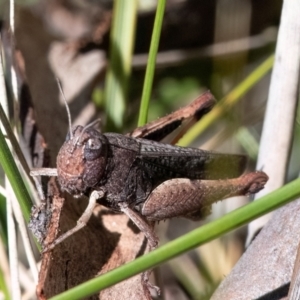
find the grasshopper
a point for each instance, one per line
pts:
(146, 179)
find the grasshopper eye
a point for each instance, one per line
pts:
(94, 144)
(92, 149)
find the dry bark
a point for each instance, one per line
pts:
(265, 270)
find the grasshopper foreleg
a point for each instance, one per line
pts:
(82, 221)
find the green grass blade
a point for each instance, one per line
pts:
(14, 142)
(119, 70)
(143, 114)
(3, 287)
(187, 242)
(3, 220)
(10, 168)
(227, 102)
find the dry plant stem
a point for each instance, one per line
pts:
(14, 82)
(5, 123)
(294, 291)
(232, 47)
(24, 234)
(281, 108)
(13, 201)
(266, 267)
(15, 288)
(28, 289)
(12, 245)
(12, 29)
(13, 140)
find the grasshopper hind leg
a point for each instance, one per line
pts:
(142, 224)
(152, 241)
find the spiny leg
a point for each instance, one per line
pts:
(82, 221)
(152, 239)
(140, 222)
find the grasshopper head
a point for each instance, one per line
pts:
(81, 161)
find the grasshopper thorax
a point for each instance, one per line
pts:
(81, 161)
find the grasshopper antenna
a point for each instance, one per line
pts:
(86, 127)
(67, 106)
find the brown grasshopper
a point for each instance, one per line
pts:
(146, 179)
